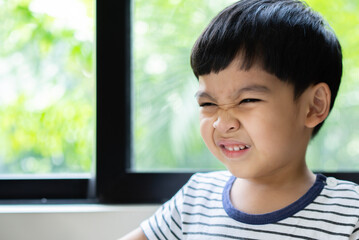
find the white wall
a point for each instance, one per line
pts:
(70, 222)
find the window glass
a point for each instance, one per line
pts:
(166, 135)
(336, 148)
(166, 131)
(46, 86)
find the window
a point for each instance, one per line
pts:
(47, 87)
(147, 139)
(47, 100)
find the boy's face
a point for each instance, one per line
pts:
(250, 121)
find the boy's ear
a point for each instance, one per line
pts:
(319, 104)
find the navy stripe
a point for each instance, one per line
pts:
(313, 228)
(203, 189)
(324, 220)
(332, 212)
(173, 220)
(201, 205)
(169, 228)
(217, 235)
(335, 204)
(205, 215)
(340, 190)
(158, 226)
(348, 183)
(338, 197)
(153, 230)
(212, 184)
(240, 228)
(175, 203)
(208, 199)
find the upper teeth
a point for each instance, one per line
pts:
(237, 148)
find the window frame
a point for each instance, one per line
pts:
(114, 181)
(113, 133)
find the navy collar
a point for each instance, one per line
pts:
(275, 216)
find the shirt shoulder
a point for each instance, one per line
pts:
(339, 200)
(341, 189)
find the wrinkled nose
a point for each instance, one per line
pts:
(225, 123)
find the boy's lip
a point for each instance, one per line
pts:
(233, 148)
(229, 142)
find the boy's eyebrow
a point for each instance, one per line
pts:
(253, 88)
(250, 88)
(200, 94)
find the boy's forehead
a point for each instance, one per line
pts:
(254, 88)
(234, 75)
(234, 81)
(212, 88)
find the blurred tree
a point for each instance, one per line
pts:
(46, 86)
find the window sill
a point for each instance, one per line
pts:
(76, 208)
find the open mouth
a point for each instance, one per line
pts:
(234, 148)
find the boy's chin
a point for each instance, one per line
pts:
(246, 173)
(238, 173)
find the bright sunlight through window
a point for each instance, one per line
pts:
(46, 86)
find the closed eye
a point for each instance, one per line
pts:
(249, 100)
(207, 104)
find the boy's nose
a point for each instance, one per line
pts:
(226, 123)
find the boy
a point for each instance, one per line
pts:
(269, 72)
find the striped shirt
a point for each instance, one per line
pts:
(202, 210)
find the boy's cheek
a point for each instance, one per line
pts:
(206, 129)
(205, 114)
(204, 126)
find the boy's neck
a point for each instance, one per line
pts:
(259, 197)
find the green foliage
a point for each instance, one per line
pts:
(47, 86)
(336, 146)
(46, 105)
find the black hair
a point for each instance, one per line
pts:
(286, 37)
